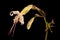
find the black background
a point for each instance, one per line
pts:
(37, 31)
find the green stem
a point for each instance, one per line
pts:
(46, 35)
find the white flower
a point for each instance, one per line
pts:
(19, 17)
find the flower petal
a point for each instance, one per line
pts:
(30, 23)
(21, 19)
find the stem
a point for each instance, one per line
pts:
(46, 35)
(46, 30)
(13, 31)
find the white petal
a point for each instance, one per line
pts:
(21, 19)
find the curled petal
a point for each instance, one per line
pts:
(13, 13)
